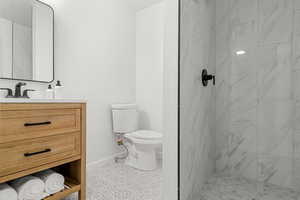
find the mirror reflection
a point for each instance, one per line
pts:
(26, 40)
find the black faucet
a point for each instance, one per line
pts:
(18, 90)
(25, 93)
(9, 92)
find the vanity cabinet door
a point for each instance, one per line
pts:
(28, 124)
(22, 155)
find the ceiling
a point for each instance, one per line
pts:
(140, 4)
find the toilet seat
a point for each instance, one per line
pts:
(145, 137)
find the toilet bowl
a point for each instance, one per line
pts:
(142, 147)
(142, 144)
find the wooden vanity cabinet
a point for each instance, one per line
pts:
(39, 136)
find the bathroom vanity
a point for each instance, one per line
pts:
(36, 135)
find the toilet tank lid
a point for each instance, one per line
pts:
(123, 106)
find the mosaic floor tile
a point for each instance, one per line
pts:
(116, 181)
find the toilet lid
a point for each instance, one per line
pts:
(146, 135)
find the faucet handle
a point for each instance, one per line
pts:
(9, 92)
(25, 93)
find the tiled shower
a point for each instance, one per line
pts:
(246, 128)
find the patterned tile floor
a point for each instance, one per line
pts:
(114, 181)
(229, 188)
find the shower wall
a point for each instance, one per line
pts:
(258, 90)
(197, 105)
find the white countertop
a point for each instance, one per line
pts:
(16, 100)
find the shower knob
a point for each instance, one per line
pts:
(207, 77)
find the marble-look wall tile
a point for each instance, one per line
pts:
(222, 119)
(243, 95)
(197, 103)
(296, 28)
(243, 11)
(275, 170)
(257, 100)
(296, 161)
(296, 174)
(297, 4)
(274, 145)
(243, 37)
(296, 147)
(297, 116)
(296, 40)
(243, 89)
(296, 53)
(223, 63)
(222, 10)
(242, 139)
(275, 17)
(222, 42)
(262, 91)
(274, 71)
(243, 164)
(296, 83)
(222, 157)
(275, 128)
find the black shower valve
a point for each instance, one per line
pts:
(207, 77)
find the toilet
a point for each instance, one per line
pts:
(142, 144)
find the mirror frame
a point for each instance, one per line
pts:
(53, 77)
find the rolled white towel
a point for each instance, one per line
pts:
(7, 192)
(29, 188)
(54, 182)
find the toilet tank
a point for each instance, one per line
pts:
(125, 118)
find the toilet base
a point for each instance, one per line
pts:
(142, 157)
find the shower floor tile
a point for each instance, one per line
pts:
(229, 188)
(115, 181)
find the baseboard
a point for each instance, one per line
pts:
(101, 162)
(111, 159)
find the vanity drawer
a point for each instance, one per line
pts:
(28, 124)
(19, 156)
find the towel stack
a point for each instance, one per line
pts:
(35, 187)
(54, 182)
(7, 192)
(29, 188)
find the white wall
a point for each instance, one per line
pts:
(170, 151)
(95, 59)
(149, 66)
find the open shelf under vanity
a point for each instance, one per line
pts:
(73, 186)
